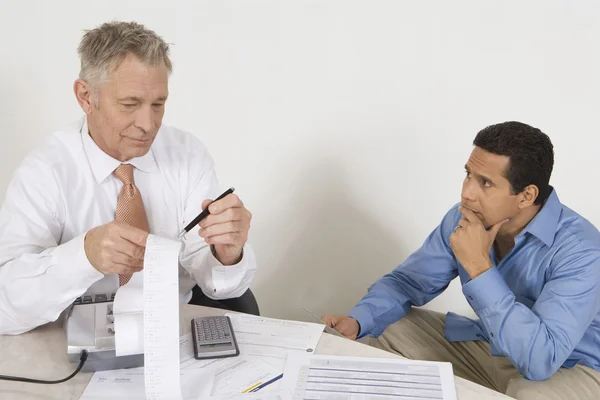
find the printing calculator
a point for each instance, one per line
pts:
(213, 338)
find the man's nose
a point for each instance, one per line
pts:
(144, 120)
(468, 193)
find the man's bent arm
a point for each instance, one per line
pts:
(38, 278)
(422, 277)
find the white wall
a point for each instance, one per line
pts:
(344, 125)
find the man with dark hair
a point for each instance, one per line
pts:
(529, 268)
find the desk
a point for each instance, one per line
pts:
(42, 354)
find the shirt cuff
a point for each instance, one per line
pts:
(71, 257)
(486, 290)
(228, 280)
(364, 318)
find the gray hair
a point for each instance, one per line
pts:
(103, 48)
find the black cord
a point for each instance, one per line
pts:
(82, 359)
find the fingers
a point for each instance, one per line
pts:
(219, 206)
(129, 249)
(348, 327)
(231, 214)
(235, 238)
(496, 228)
(123, 259)
(124, 269)
(469, 215)
(227, 225)
(329, 320)
(229, 201)
(130, 233)
(233, 227)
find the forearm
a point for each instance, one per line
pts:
(537, 343)
(36, 288)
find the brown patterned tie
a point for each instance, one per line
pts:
(130, 206)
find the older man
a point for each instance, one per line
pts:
(79, 208)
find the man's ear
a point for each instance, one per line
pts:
(83, 93)
(528, 196)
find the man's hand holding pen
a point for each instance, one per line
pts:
(226, 228)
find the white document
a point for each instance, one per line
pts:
(335, 377)
(128, 311)
(129, 384)
(279, 395)
(228, 379)
(161, 318)
(271, 340)
(116, 384)
(146, 312)
(231, 376)
(218, 379)
(276, 333)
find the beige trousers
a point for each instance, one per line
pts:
(420, 335)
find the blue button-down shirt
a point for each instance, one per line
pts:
(539, 306)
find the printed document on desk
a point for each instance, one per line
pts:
(240, 374)
(129, 384)
(273, 339)
(224, 380)
(335, 377)
(279, 395)
(215, 379)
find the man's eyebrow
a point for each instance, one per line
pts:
(130, 98)
(482, 177)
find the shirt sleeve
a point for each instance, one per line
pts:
(424, 275)
(214, 279)
(539, 340)
(34, 288)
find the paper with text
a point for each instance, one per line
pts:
(130, 384)
(128, 309)
(271, 340)
(278, 395)
(276, 333)
(335, 377)
(217, 379)
(161, 318)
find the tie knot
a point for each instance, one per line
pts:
(125, 173)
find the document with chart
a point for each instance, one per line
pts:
(336, 377)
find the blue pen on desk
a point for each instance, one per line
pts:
(204, 213)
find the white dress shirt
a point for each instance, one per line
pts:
(66, 187)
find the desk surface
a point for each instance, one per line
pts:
(41, 354)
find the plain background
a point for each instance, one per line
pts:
(344, 125)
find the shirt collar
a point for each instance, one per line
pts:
(103, 165)
(544, 224)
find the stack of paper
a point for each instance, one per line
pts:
(264, 343)
(336, 377)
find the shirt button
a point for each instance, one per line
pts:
(470, 297)
(479, 335)
(491, 334)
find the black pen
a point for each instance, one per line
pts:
(204, 213)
